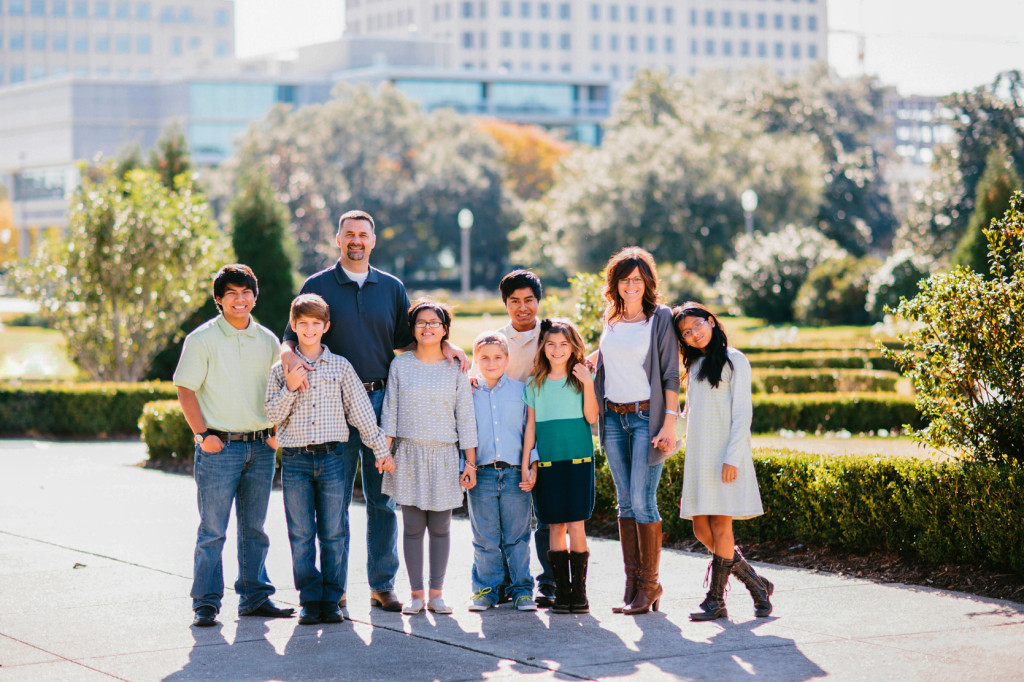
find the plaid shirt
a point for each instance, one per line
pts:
(321, 414)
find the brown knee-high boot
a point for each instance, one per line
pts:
(760, 588)
(630, 559)
(713, 606)
(648, 592)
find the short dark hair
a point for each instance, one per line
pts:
(356, 215)
(520, 279)
(237, 274)
(310, 305)
(440, 309)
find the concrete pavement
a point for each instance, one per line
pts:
(96, 561)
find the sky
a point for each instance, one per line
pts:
(923, 47)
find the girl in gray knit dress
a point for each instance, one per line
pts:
(428, 417)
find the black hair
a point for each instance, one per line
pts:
(237, 274)
(440, 309)
(715, 354)
(520, 279)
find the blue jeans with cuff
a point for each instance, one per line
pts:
(500, 513)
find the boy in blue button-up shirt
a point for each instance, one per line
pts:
(499, 510)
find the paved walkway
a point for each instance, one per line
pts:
(96, 559)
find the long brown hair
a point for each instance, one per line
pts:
(619, 266)
(541, 365)
(715, 355)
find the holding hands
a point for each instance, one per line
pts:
(529, 478)
(468, 479)
(295, 377)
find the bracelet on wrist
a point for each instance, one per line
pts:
(671, 412)
(471, 465)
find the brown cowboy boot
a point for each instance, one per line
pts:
(761, 589)
(630, 559)
(713, 606)
(649, 591)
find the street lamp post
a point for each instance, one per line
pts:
(465, 220)
(748, 200)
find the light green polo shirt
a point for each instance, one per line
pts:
(228, 369)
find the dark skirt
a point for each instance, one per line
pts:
(564, 491)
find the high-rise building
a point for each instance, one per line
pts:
(613, 38)
(121, 38)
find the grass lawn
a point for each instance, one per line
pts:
(33, 353)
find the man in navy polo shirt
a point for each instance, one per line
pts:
(369, 321)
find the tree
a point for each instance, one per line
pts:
(171, 157)
(964, 354)
(899, 278)
(136, 262)
(259, 223)
(530, 154)
(995, 190)
(835, 292)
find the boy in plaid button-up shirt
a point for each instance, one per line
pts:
(313, 428)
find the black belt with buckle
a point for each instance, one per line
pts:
(249, 437)
(377, 385)
(320, 447)
(497, 464)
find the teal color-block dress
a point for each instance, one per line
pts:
(564, 491)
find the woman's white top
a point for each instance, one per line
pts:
(717, 433)
(624, 347)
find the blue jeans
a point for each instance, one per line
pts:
(314, 497)
(381, 519)
(627, 440)
(241, 473)
(500, 513)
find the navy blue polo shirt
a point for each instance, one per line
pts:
(368, 323)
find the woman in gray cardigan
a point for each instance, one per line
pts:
(638, 389)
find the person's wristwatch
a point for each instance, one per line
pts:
(200, 437)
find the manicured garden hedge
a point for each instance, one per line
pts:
(821, 360)
(938, 512)
(165, 432)
(822, 380)
(813, 412)
(76, 409)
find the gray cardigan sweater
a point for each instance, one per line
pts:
(662, 367)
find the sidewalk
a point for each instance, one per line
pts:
(96, 562)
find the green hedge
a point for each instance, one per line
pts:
(938, 512)
(165, 432)
(823, 380)
(812, 412)
(821, 360)
(76, 409)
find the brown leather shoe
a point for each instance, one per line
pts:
(385, 600)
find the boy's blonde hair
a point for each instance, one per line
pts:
(491, 338)
(310, 305)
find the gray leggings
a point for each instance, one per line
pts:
(415, 522)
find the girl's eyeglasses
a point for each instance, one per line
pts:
(433, 324)
(699, 324)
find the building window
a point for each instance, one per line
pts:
(185, 15)
(564, 11)
(632, 43)
(123, 10)
(812, 51)
(60, 8)
(483, 42)
(122, 43)
(652, 16)
(102, 44)
(17, 74)
(467, 10)
(709, 18)
(17, 42)
(544, 10)
(631, 14)
(176, 46)
(726, 18)
(545, 40)
(812, 23)
(524, 10)
(38, 41)
(613, 43)
(101, 9)
(143, 44)
(595, 67)
(794, 50)
(779, 50)
(144, 11)
(745, 48)
(709, 47)
(221, 17)
(506, 8)
(613, 12)
(506, 38)
(778, 22)
(38, 8)
(727, 48)
(670, 45)
(222, 50)
(794, 22)
(60, 71)
(166, 14)
(669, 16)
(762, 20)
(693, 46)
(615, 71)
(595, 11)
(652, 45)
(744, 20)
(80, 9)
(467, 40)
(595, 42)
(17, 9)
(565, 68)
(565, 41)
(60, 42)
(194, 43)
(38, 72)
(524, 39)
(81, 43)
(762, 49)
(693, 17)
(483, 12)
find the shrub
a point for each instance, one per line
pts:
(75, 410)
(763, 278)
(823, 381)
(166, 433)
(679, 285)
(965, 355)
(814, 412)
(897, 279)
(588, 306)
(821, 360)
(835, 292)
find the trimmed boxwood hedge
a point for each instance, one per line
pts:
(822, 380)
(813, 412)
(822, 360)
(165, 432)
(76, 409)
(937, 512)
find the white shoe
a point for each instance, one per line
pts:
(437, 605)
(414, 606)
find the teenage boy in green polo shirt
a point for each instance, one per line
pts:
(222, 381)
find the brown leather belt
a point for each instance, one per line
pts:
(627, 408)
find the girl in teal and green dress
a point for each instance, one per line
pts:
(561, 407)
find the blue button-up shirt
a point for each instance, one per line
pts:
(500, 421)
